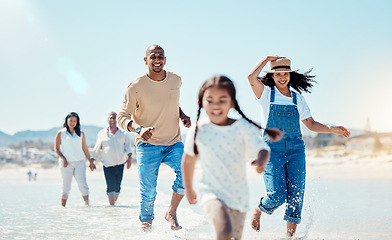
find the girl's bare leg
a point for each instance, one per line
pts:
(63, 202)
(223, 226)
(218, 215)
(237, 220)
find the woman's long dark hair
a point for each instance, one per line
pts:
(77, 127)
(225, 83)
(300, 82)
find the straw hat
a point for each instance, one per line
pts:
(281, 65)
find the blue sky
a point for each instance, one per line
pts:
(63, 56)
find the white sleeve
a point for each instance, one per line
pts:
(264, 103)
(188, 146)
(303, 108)
(97, 148)
(253, 141)
(127, 147)
(264, 95)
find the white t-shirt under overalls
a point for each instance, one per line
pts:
(280, 99)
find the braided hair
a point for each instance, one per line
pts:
(224, 83)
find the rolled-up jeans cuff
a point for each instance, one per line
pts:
(113, 193)
(264, 210)
(146, 218)
(178, 190)
(292, 219)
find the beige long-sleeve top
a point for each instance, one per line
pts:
(153, 104)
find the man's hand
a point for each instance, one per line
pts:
(146, 133)
(185, 120)
(129, 161)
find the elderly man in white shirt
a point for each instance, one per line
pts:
(114, 150)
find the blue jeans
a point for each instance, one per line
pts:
(113, 177)
(284, 178)
(149, 158)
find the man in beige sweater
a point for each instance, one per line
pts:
(151, 110)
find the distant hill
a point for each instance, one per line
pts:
(6, 139)
(29, 135)
(45, 135)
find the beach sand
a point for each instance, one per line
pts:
(343, 163)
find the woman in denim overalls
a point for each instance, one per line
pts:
(284, 175)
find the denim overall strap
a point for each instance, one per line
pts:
(294, 97)
(272, 97)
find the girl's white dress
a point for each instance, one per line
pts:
(224, 152)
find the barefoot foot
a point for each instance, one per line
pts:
(255, 219)
(172, 219)
(146, 226)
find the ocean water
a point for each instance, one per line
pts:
(333, 209)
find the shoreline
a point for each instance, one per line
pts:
(333, 162)
(369, 168)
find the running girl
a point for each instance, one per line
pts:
(223, 145)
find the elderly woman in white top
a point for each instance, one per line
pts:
(71, 146)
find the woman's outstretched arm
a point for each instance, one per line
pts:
(315, 126)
